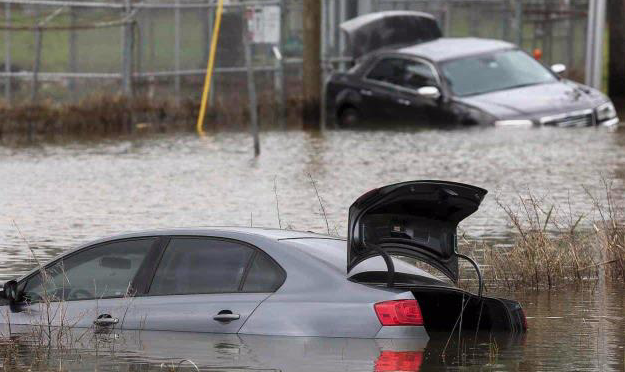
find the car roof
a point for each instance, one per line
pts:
(450, 48)
(251, 235)
(270, 233)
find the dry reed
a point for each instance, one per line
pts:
(551, 249)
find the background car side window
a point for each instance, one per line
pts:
(417, 74)
(103, 271)
(264, 275)
(388, 70)
(201, 265)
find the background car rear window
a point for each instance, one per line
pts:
(201, 265)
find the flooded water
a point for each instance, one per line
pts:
(62, 194)
(576, 331)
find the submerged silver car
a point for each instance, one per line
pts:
(276, 282)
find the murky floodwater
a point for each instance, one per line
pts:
(60, 195)
(576, 331)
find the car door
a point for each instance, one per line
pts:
(87, 287)
(415, 107)
(381, 90)
(205, 285)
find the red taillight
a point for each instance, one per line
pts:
(399, 313)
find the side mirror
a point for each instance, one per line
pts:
(558, 68)
(10, 291)
(430, 92)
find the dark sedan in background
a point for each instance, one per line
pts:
(452, 81)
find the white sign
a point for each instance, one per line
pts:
(264, 24)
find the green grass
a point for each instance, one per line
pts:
(99, 50)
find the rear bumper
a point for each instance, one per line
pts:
(403, 332)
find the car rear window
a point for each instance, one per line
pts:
(264, 275)
(334, 253)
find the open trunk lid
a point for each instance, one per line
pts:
(373, 31)
(415, 219)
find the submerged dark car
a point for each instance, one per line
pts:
(434, 80)
(276, 282)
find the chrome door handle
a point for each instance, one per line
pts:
(226, 317)
(105, 321)
(366, 92)
(404, 102)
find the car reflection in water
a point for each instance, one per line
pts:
(155, 350)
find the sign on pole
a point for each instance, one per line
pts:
(264, 24)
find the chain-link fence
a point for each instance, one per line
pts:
(67, 50)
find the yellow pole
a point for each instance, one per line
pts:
(209, 68)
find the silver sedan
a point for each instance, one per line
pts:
(276, 282)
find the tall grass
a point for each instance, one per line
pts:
(553, 247)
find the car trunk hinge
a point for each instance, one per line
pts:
(390, 267)
(477, 269)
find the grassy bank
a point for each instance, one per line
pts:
(116, 114)
(553, 247)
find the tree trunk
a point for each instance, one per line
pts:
(616, 66)
(312, 64)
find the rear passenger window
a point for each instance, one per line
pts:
(264, 275)
(201, 265)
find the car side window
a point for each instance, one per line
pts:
(411, 74)
(201, 265)
(103, 271)
(264, 275)
(388, 70)
(417, 74)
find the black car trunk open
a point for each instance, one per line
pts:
(373, 31)
(418, 219)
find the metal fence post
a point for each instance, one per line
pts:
(177, 52)
(251, 88)
(505, 20)
(519, 22)
(570, 45)
(7, 52)
(36, 65)
(447, 22)
(473, 21)
(150, 37)
(73, 61)
(279, 72)
(211, 25)
(547, 37)
(342, 41)
(325, 57)
(203, 15)
(127, 47)
(140, 41)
